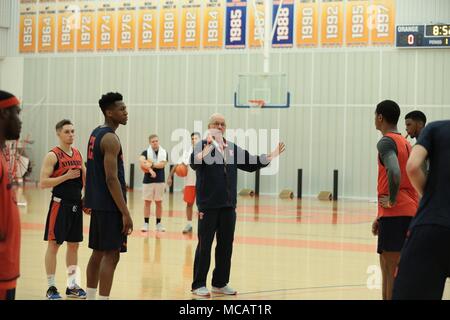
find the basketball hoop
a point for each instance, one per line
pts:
(256, 105)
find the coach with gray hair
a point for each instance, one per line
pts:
(216, 162)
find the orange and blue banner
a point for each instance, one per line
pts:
(284, 23)
(236, 18)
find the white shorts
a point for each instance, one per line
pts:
(153, 191)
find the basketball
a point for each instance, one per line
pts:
(181, 170)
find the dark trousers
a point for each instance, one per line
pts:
(424, 264)
(220, 222)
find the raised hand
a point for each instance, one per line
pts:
(277, 151)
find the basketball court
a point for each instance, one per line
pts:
(309, 73)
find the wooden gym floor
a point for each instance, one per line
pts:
(284, 249)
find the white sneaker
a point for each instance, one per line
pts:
(202, 292)
(144, 227)
(224, 290)
(160, 228)
(187, 229)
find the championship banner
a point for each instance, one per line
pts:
(168, 26)
(284, 24)
(27, 28)
(190, 24)
(126, 25)
(382, 22)
(256, 21)
(47, 26)
(213, 14)
(106, 25)
(68, 11)
(147, 24)
(357, 33)
(307, 23)
(236, 17)
(332, 23)
(86, 23)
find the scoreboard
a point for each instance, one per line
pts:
(427, 36)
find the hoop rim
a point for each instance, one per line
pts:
(254, 103)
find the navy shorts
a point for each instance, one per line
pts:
(392, 233)
(8, 294)
(105, 232)
(424, 264)
(64, 221)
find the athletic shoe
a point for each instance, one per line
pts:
(224, 290)
(160, 228)
(187, 229)
(76, 292)
(144, 227)
(53, 294)
(202, 292)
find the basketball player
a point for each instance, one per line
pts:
(216, 162)
(189, 183)
(425, 259)
(415, 122)
(63, 170)
(155, 158)
(10, 127)
(105, 198)
(397, 199)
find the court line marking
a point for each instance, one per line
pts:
(249, 240)
(350, 286)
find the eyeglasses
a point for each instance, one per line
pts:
(223, 124)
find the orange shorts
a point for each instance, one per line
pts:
(189, 194)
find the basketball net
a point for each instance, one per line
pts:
(256, 105)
